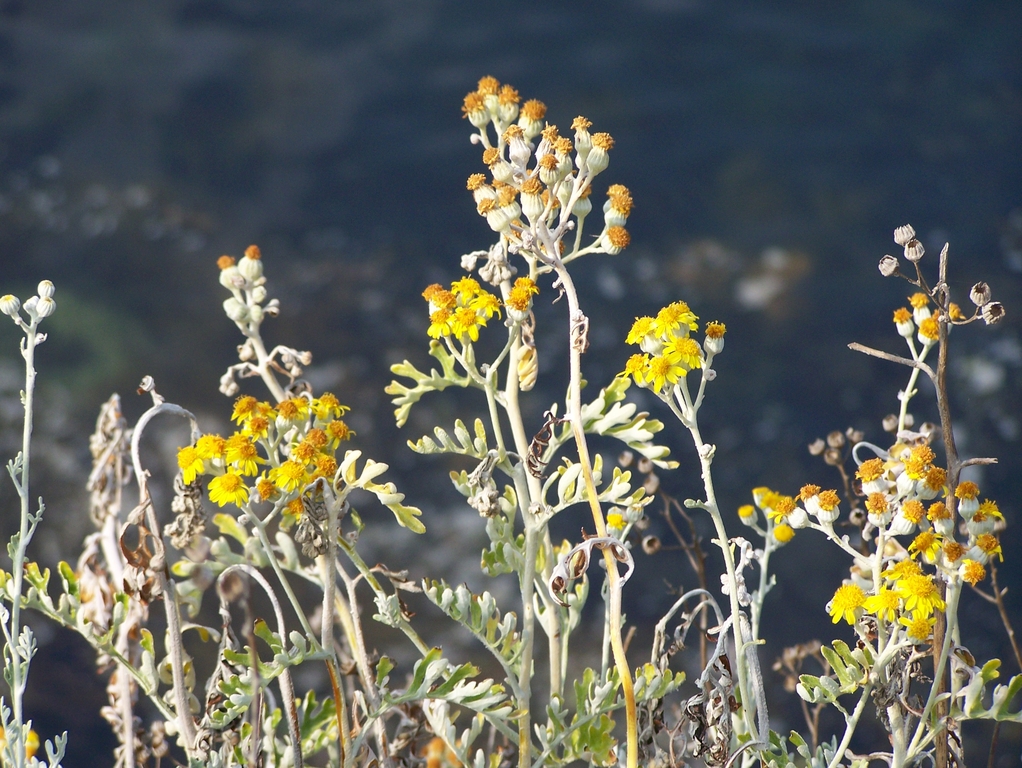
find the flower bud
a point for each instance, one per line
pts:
(45, 307)
(45, 289)
(10, 305)
(888, 266)
(980, 294)
(502, 171)
(993, 312)
(236, 310)
(903, 234)
(250, 269)
(30, 305)
(256, 313)
(582, 207)
(914, 251)
(231, 278)
(259, 294)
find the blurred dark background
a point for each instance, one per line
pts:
(771, 148)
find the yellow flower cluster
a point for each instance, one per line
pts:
(668, 350)
(461, 311)
(895, 488)
(313, 430)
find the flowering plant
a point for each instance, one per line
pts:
(283, 484)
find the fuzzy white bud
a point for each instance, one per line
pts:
(582, 207)
(45, 289)
(236, 310)
(597, 160)
(250, 269)
(10, 305)
(231, 278)
(45, 307)
(259, 294)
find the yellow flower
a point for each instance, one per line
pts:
(439, 324)
(883, 605)
(210, 447)
(190, 462)
(920, 594)
(872, 469)
(487, 304)
(256, 427)
(465, 322)
(918, 462)
(466, 288)
(780, 507)
(913, 511)
(919, 627)
(266, 488)
(990, 508)
(616, 521)
(242, 453)
(783, 533)
(338, 432)
(689, 354)
(295, 507)
(929, 329)
(31, 743)
(846, 601)
(926, 544)
(228, 489)
(902, 315)
(972, 571)
(636, 368)
(294, 409)
(674, 317)
(746, 511)
(919, 300)
(715, 330)
(989, 544)
(327, 406)
(902, 570)
(289, 476)
(967, 490)
(244, 407)
(642, 327)
(520, 296)
(664, 369)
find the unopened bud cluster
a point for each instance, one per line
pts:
(244, 279)
(37, 307)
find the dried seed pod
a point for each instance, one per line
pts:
(903, 234)
(650, 545)
(652, 484)
(832, 456)
(625, 458)
(854, 435)
(890, 422)
(914, 251)
(836, 439)
(980, 294)
(816, 447)
(993, 312)
(888, 266)
(645, 465)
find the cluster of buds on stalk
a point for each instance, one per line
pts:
(540, 182)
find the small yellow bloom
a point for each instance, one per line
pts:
(973, 572)
(746, 511)
(780, 508)
(919, 300)
(642, 327)
(715, 330)
(289, 476)
(664, 369)
(465, 289)
(636, 368)
(229, 488)
(926, 544)
(919, 627)
(257, 427)
(242, 453)
(989, 544)
(439, 324)
(967, 490)
(920, 594)
(616, 521)
(294, 409)
(902, 315)
(783, 533)
(465, 322)
(929, 329)
(846, 601)
(487, 304)
(210, 447)
(883, 605)
(871, 469)
(327, 406)
(244, 407)
(190, 462)
(674, 317)
(338, 432)
(913, 511)
(901, 570)
(688, 351)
